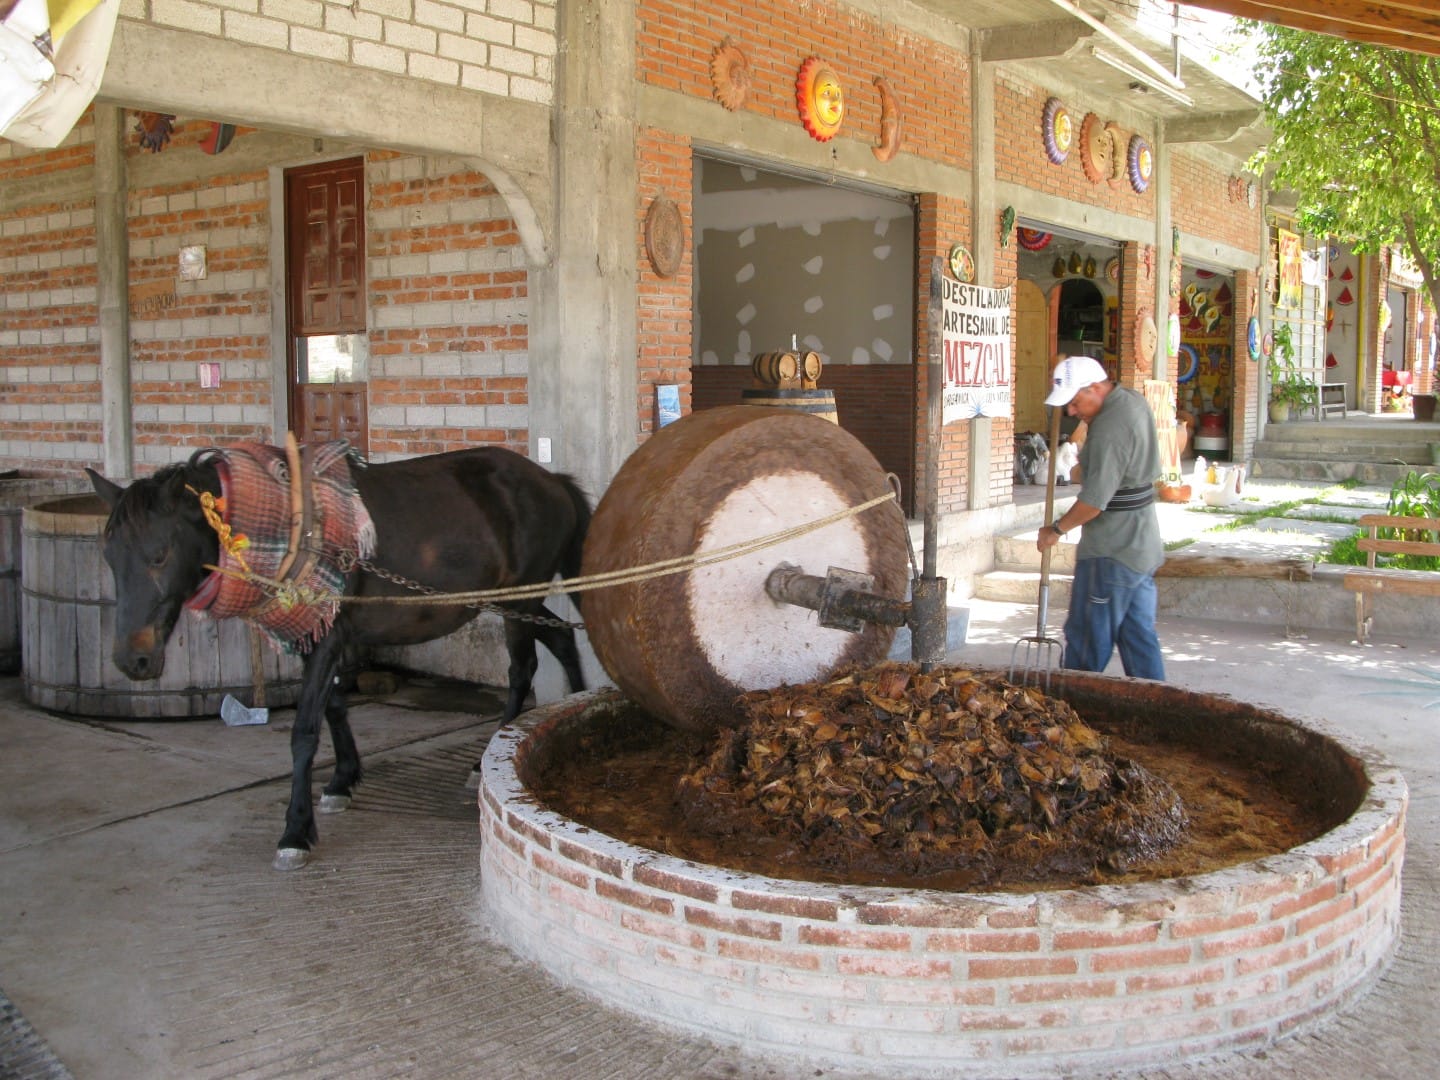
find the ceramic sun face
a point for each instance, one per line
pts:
(820, 99)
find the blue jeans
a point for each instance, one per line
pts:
(1111, 605)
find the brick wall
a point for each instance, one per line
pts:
(49, 332)
(449, 311)
(664, 322)
(223, 318)
(676, 39)
(1020, 151)
(1203, 203)
(504, 47)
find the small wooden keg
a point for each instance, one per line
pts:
(776, 369)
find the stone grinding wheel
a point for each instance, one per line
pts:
(685, 646)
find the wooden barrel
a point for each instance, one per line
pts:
(17, 491)
(775, 368)
(68, 627)
(819, 403)
(684, 646)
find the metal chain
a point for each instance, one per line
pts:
(347, 560)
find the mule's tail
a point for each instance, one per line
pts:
(573, 555)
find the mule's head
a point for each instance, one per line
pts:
(157, 544)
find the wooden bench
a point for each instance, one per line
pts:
(1372, 579)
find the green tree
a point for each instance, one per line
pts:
(1357, 138)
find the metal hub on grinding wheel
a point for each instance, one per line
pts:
(686, 645)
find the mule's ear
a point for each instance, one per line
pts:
(106, 489)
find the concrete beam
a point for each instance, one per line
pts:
(257, 151)
(1032, 41)
(746, 135)
(158, 68)
(1211, 127)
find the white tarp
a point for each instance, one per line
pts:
(51, 61)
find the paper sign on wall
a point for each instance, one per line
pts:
(977, 363)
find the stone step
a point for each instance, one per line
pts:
(1367, 472)
(1399, 433)
(1017, 552)
(1417, 453)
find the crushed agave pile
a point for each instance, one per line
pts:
(929, 773)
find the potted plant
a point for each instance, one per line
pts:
(1289, 390)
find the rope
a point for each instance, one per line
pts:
(609, 578)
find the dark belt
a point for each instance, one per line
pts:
(1133, 498)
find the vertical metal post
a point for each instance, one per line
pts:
(934, 383)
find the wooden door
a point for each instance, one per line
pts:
(325, 291)
(1032, 356)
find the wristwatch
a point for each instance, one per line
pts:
(1055, 527)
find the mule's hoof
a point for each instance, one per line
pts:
(333, 804)
(290, 858)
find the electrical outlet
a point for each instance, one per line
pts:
(542, 450)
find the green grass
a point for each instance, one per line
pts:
(1417, 495)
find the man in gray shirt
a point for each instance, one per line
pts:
(1112, 600)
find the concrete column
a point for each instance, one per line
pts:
(583, 336)
(112, 255)
(983, 212)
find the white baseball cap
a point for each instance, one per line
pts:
(1072, 375)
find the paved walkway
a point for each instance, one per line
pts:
(144, 934)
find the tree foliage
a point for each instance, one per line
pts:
(1357, 138)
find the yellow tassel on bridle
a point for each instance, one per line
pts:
(213, 508)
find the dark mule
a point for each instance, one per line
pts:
(463, 521)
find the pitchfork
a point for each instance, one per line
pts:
(1038, 657)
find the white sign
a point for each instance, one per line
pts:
(976, 358)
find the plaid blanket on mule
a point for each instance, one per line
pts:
(256, 503)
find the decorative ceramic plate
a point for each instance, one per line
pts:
(1118, 142)
(962, 264)
(1147, 336)
(820, 99)
(1112, 270)
(1252, 338)
(1096, 149)
(1058, 131)
(729, 75)
(1189, 364)
(1141, 163)
(664, 236)
(1033, 239)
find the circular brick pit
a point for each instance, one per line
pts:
(917, 983)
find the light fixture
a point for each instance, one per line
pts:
(1141, 77)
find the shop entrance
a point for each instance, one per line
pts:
(1078, 277)
(1205, 373)
(786, 261)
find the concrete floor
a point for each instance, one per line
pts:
(144, 934)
